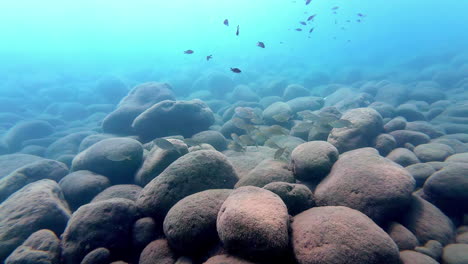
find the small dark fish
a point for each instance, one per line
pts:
(261, 44)
(298, 29)
(188, 52)
(311, 17)
(163, 144)
(209, 57)
(302, 23)
(237, 31)
(335, 8)
(308, 2)
(226, 22)
(236, 70)
(361, 15)
(311, 30)
(359, 20)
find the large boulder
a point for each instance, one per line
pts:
(157, 252)
(39, 205)
(427, 222)
(212, 137)
(253, 222)
(140, 98)
(26, 130)
(67, 145)
(312, 161)
(297, 197)
(125, 191)
(190, 225)
(11, 162)
(169, 117)
(102, 224)
(363, 180)
(407, 136)
(433, 152)
(41, 247)
(266, 172)
(337, 234)
(116, 158)
(42, 169)
(455, 254)
(366, 125)
(194, 172)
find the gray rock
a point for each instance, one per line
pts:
(144, 231)
(266, 172)
(11, 162)
(214, 138)
(97, 256)
(41, 247)
(404, 239)
(413, 257)
(455, 254)
(420, 172)
(26, 130)
(67, 145)
(403, 156)
(297, 197)
(157, 252)
(124, 191)
(433, 152)
(407, 136)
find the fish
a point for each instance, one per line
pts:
(275, 130)
(302, 23)
(226, 22)
(358, 20)
(236, 138)
(341, 123)
(237, 31)
(188, 52)
(311, 17)
(303, 127)
(209, 57)
(282, 117)
(244, 112)
(164, 144)
(236, 70)
(279, 152)
(360, 14)
(311, 30)
(236, 147)
(240, 123)
(308, 115)
(335, 8)
(115, 156)
(308, 2)
(298, 29)
(261, 44)
(247, 140)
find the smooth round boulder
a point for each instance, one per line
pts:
(80, 187)
(41, 247)
(408, 136)
(384, 143)
(12, 162)
(413, 257)
(432, 248)
(194, 172)
(253, 223)
(98, 256)
(212, 137)
(460, 157)
(266, 172)
(157, 252)
(297, 197)
(305, 103)
(67, 145)
(420, 172)
(102, 224)
(366, 124)
(404, 239)
(116, 158)
(275, 113)
(433, 152)
(124, 191)
(26, 130)
(169, 117)
(338, 234)
(226, 259)
(312, 161)
(190, 225)
(363, 180)
(403, 156)
(455, 254)
(295, 90)
(144, 231)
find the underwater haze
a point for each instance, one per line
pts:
(234, 132)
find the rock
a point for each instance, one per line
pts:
(41, 247)
(34, 150)
(312, 161)
(398, 123)
(305, 103)
(424, 127)
(42, 169)
(269, 100)
(363, 180)
(246, 161)
(92, 139)
(190, 225)
(410, 112)
(455, 254)
(12, 162)
(297, 197)
(404, 239)
(226, 259)
(194, 172)
(26, 130)
(448, 188)
(392, 93)
(67, 145)
(125, 191)
(214, 138)
(274, 113)
(432, 248)
(427, 94)
(98, 256)
(38, 205)
(433, 152)
(460, 157)
(111, 89)
(413, 257)
(253, 223)
(295, 90)
(243, 93)
(144, 231)
(455, 144)
(427, 222)
(116, 158)
(157, 252)
(384, 143)
(384, 109)
(420, 172)
(80, 187)
(102, 224)
(407, 136)
(337, 234)
(168, 117)
(403, 156)
(140, 98)
(266, 172)
(157, 160)
(366, 125)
